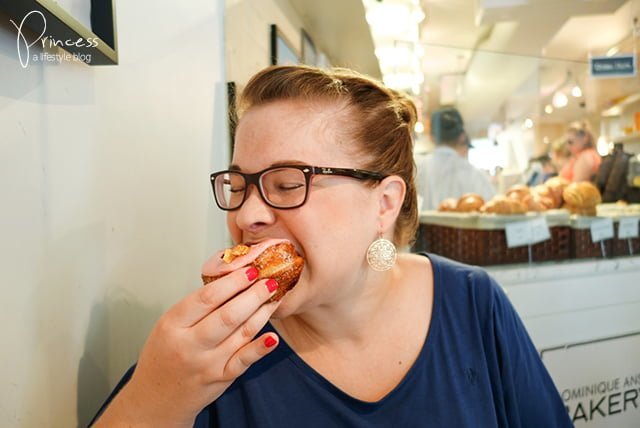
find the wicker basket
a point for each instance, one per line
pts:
(621, 247)
(625, 247)
(582, 247)
(480, 239)
(448, 234)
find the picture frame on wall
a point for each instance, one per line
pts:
(232, 118)
(309, 51)
(282, 50)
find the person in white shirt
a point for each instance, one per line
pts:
(446, 172)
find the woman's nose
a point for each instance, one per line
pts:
(254, 213)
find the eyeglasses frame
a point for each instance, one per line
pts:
(307, 170)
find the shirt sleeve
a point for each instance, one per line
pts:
(483, 185)
(529, 395)
(115, 392)
(203, 420)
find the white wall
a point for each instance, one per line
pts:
(106, 212)
(574, 301)
(248, 30)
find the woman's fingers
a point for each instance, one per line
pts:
(205, 300)
(249, 354)
(239, 314)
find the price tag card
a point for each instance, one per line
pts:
(601, 229)
(518, 233)
(628, 227)
(527, 232)
(539, 230)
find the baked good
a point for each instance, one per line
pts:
(504, 205)
(469, 202)
(448, 205)
(518, 191)
(535, 202)
(581, 198)
(556, 186)
(273, 258)
(550, 197)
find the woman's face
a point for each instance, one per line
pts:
(333, 229)
(577, 141)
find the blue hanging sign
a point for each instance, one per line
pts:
(613, 66)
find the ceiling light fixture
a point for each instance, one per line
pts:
(576, 91)
(602, 146)
(548, 109)
(395, 31)
(559, 100)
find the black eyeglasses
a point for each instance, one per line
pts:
(282, 187)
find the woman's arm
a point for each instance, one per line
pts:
(194, 352)
(583, 168)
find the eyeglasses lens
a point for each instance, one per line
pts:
(230, 189)
(281, 187)
(284, 187)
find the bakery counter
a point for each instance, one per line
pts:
(571, 301)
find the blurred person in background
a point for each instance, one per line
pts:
(446, 172)
(560, 155)
(585, 160)
(540, 169)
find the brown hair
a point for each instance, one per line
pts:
(582, 128)
(379, 120)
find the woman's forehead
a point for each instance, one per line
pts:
(294, 129)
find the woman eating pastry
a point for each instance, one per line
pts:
(368, 336)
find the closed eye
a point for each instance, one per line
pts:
(289, 186)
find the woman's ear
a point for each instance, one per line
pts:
(391, 196)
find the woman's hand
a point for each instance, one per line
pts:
(195, 351)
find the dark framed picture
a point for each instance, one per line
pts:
(309, 52)
(282, 50)
(232, 90)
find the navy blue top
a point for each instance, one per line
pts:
(477, 368)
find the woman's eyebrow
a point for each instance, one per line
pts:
(234, 167)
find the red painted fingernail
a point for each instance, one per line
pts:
(252, 273)
(269, 342)
(272, 285)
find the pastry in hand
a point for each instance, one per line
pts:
(469, 202)
(273, 258)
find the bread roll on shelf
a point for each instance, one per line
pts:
(448, 205)
(469, 202)
(581, 198)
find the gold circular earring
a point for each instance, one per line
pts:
(381, 254)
